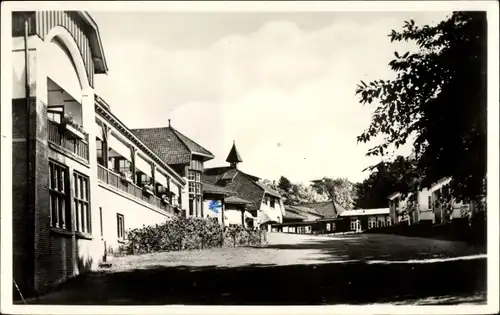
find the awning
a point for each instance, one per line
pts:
(161, 179)
(249, 215)
(119, 147)
(142, 165)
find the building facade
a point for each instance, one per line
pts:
(80, 176)
(429, 206)
(364, 219)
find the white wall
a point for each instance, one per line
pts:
(274, 213)
(232, 216)
(136, 215)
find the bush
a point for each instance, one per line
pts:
(187, 234)
(236, 235)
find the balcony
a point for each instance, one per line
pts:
(69, 139)
(114, 179)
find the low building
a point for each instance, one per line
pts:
(364, 219)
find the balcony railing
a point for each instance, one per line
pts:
(62, 138)
(113, 179)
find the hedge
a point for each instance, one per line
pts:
(188, 234)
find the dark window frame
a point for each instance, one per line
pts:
(120, 225)
(81, 201)
(60, 212)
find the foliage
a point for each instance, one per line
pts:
(439, 97)
(67, 119)
(338, 190)
(295, 193)
(237, 235)
(186, 234)
(386, 178)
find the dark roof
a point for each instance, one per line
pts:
(234, 200)
(269, 190)
(325, 208)
(214, 174)
(234, 156)
(171, 145)
(216, 190)
(292, 215)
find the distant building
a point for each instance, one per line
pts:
(364, 219)
(266, 205)
(427, 207)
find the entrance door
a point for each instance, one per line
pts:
(358, 225)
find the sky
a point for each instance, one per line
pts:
(281, 85)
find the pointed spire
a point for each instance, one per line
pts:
(234, 157)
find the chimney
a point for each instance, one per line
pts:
(169, 122)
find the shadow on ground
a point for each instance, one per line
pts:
(380, 247)
(346, 283)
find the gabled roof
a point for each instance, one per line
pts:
(269, 190)
(171, 145)
(325, 208)
(234, 200)
(214, 174)
(293, 215)
(234, 156)
(216, 190)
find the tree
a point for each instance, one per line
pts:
(295, 194)
(284, 184)
(385, 178)
(338, 190)
(439, 98)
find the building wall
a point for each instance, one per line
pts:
(136, 214)
(232, 215)
(276, 212)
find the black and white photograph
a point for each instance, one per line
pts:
(250, 157)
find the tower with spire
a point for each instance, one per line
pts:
(234, 157)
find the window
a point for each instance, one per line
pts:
(429, 202)
(273, 200)
(179, 201)
(120, 221)
(60, 210)
(122, 165)
(100, 216)
(328, 227)
(191, 210)
(354, 224)
(388, 221)
(82, 204)
(55, 113)
(372, 223)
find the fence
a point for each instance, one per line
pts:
(113, 179)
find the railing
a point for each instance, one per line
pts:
(76, 146)
(113, 179)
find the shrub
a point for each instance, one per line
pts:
(187, 234)
(177, 234)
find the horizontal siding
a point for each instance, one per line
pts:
(46, 20)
